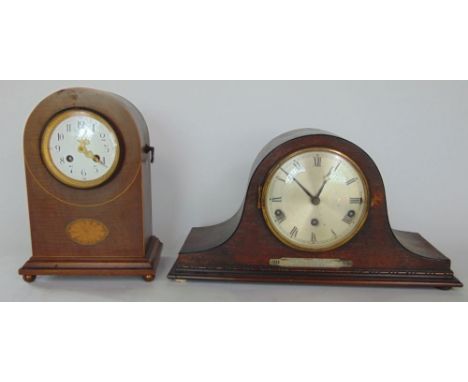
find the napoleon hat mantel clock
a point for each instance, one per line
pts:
(87, 157)
(315, 212)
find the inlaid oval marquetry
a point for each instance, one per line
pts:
(87, 231)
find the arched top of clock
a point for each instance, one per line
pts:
(118, 112)
(271, 153)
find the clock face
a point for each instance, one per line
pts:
(80, 148)
(315, 199)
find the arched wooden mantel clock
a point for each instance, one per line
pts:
(315, 212)
(87, 155)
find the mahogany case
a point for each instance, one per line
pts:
(240, 249)
(122, 205)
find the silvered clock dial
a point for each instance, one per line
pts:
(315, 199)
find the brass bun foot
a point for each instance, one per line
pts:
(29, 278)
(149, 277)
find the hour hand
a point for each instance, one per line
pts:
(88, 153)
(325, 180)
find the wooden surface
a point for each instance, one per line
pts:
(240, 248)
(122, 204)
(103, 266)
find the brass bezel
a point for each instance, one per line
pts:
(279, 235)
(50, 165)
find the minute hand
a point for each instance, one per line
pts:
(312, 197)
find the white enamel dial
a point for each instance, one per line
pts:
(315, 199)
(80, 148)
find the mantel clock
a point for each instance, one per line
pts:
(315, 212)
(87, 157)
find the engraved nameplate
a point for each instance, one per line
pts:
(294, 262)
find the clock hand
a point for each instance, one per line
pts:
(88, 153)
(325, 180)
(313, 199)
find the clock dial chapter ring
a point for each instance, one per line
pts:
(78, 145)
(315, 199)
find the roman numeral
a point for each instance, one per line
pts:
(313, 238)
(355, 200)
(351, 181)
(297, 165)
(276, 199)
(317, 161)
(347, 219)
(280, 179)
(293, 232)
(68, 127)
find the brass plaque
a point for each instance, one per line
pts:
(296, 262)
(87, 231)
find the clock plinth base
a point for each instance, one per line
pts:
(222, 264)
(105, 266)
(265, 275)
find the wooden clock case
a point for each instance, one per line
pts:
(121, 207)
(243, 248)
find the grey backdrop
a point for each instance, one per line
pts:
(207, 134)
